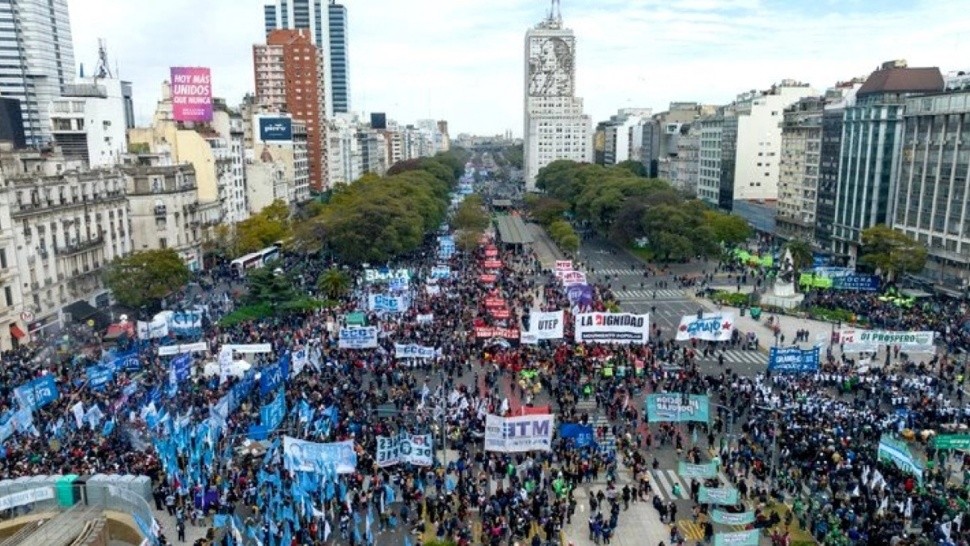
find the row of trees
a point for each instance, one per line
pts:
(377, 218)
(886, 251)
(621, 204)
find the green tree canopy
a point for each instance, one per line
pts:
(334, 283)
(144, 278)
(270, 225)
(801, 254)
(891, 252)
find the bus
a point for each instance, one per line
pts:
(255, 260)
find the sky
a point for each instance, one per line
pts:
(462, 61)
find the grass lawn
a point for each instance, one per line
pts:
(644, 254)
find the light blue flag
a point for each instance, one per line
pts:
(388, 494)
(108, 427)
(407, 541)
(220, 520)
(450, 484)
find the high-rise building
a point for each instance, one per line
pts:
(801, 143)
(931, 196)
(555, 125)
(623, 135)
(89, 121)
(718, 142)
(327, 22)
(36, 37)
(870, 151)
(288, 69)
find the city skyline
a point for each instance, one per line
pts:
(435, 62)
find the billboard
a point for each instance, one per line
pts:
(275, 129)
(191, 93)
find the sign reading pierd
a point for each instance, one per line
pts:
(612, 328)
(275, 129)
(191, 93)
(518, 434)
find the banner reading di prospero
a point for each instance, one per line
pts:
(518, 434)
(674, 408)
(358, 337)
(404, 448)
(872, 340)
(612, 328)
(305, 456)
(793, 360)
(708, 327)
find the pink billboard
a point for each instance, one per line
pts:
(191, 93)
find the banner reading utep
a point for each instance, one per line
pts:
(873, 340)
(674, 407)
(303, 456)
(518, 434)
(708, 328)
(546, 325)
(793, 360)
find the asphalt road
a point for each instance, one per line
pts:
(666, 306)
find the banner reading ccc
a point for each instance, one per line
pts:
(612, 328)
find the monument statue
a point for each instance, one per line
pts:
(784, 285)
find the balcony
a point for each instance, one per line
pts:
(161, 210)
(79, 247)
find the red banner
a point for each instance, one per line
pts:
(536, 410)
(491, 252)
(482, 332)
(493, 303)
(488, 278)
(492, 264)
(500, 313)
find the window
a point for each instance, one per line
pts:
(8, 296)
(162, 242)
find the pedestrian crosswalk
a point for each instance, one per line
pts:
(671, 487)
(615, 272)
(736, 356)
(607, 442)
(647, 294)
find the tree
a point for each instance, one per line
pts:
(634, 167)
(144, 278)
(891, 252)
(269, 286)
(270, 225)
(801, 254)
(727, 228)
(334, 283)
(470, 215)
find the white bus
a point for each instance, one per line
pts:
(255, 260)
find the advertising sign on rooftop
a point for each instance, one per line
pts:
(275, 129)
(191, 93)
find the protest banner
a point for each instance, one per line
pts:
(740, 538)
(570, 278)
(612, 328)
(564, 265)
(716, 327)
(793, 360)
(304, 456)
(518, 434)
(856, 282)
(706, 470)
(413, 350)
(731, 518)
(484, 332)
(581, 435)
(727, 496)
(855, 341)
(357, 337)
(546, 324)
(897, 452)
(37, 393)
(388, 304)
(385, 275)
(676, 407)
(406, 448)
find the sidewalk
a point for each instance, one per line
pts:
(545, 249)
(818, 331)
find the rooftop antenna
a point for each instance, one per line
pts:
(555, 12)
(103, 69)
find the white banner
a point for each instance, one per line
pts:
(307, 456)
(152, 330)
(711, 327)
(612, 328)
(390, 304)
(564, 265)
(569, 278)
(415, 449)
(169, 350)
(357, 337)
(425, 318)
(855, 341)
(375, 275)
(546, 324)
(26, 497)
(251, 348)
(518, 434)
(413, 350)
